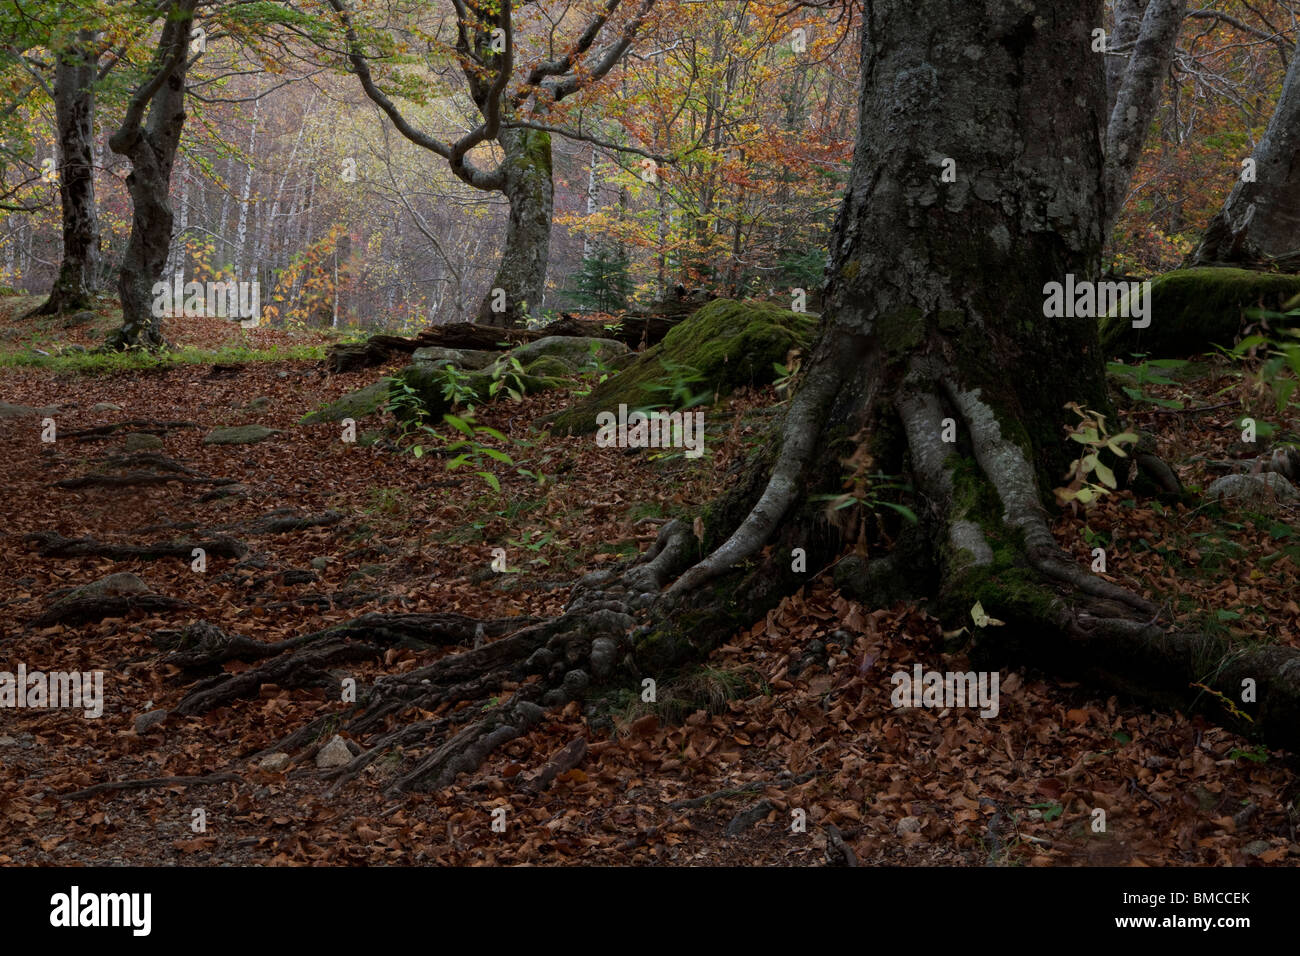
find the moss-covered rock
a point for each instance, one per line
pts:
(728, 343)
(1195, 309)
(429, 381)
(239, 435)
(550, 366)
(354, 405)
(461, 358)
(575, 351)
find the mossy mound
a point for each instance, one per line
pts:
(728, 343)
(354, 405)
(1193, 310)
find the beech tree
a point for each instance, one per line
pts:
(1259, 223)
(934, 360)
(516, 118)
(149, 135)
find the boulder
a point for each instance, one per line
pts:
(239, 435)
(1258, 491)
(354, 405)
(723, 346)
(1192, 310)
(461, 358)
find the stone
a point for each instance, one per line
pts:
(354, 405)
(909, 825)
(114, 585)
(320, 564)
(333, 754)
(25, 411)
(142, 441)
(461, 358)
(1266, 488)
(257, 404)
(604, 654)
(1256, 847)
(105, 407)
(146, 721)
(574, 351)
(239, 435)
(277, 762)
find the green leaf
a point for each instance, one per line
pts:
(903, 510)
(1105, 474)
(497, 455)
(490, 478)
(458, 423)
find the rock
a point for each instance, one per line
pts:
(142, 441)
(909, 825)
(1256, 847)
(79, 318)
(239, 435)
(105, 407)
(549, 365)
(258, 404)
(354, 405)
(461, 358)
(1192, 309)
(333, 754)
(320, 564)
(153, 718)
(114, 585)
(1265, 489)
(277, 762)
(574, 351)
(25, 411)
(299, 576)
(428, 380)
(721, 347)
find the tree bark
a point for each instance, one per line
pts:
(1137, 98)
(530, 190)
(151, 146)
(74, 116)
(1259, 223)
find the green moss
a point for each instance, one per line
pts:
(1193, 309)
(728, 343)
(902, 330)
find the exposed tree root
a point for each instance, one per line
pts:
(149, 783)
(136, 479)
(149, 426)
(84, 610)
(54, 545)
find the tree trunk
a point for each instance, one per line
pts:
(934, 314)
(1137, 99)
(74, 115)
(529, 189)
(1124, 34)
(151, 146)
(1260, 221)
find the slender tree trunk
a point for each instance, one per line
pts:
(1260, 221)
(151, 147)
(74, 114)
(529, 189)
(1123, 35)
(1137, 98)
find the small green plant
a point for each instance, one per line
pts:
(679, 391)
(1256, 754)
(787, 373)
(1089, 478)
(508, 377)
(1149, 372)
(456, 388)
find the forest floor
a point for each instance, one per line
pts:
(399, 533)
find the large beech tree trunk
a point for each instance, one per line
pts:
(74, 113)
(1260, 221)
(151, 146)
(935, 311)
(530, 190)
